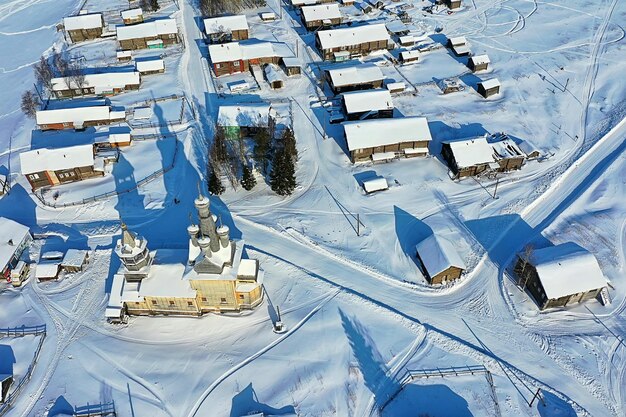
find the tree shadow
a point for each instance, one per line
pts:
(370, 361)
(427, 400)
(246, 402)
(409, 231)
(554, 406)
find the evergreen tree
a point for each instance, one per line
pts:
(154, 5)
(262, 142)
(29, 104)
(215, 184)
(289, 142)
(219, 152)
(247, 178)
(283, 175)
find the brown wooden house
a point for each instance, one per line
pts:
(244, 120)
(223, 29)
(452, 4)
(358, 77)
(367, 104)
(386, 139)
(561, 275)
(291, 66)
(321, 16)
(345, 43)
(438, 259)
(103, 84)
(468, 157)
(78, 117)
(132, 16)
(488, 88)
(49, 167)
(153, 35)
(84, 27)
(508, 154)
(478, 63)
(235, 57)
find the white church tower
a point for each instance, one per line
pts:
(134, 254)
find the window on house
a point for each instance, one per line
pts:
(223, 300)
(153, 302)
(171, 303)
(218, 65)
(236, 63)
(241, 296)
(204, 299)
(34, 176)
(189, 303)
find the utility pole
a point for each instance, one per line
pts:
(495, 191)
(358, 224)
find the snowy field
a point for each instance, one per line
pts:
(359, 312)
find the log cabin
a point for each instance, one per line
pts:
(452, 4)
(352, 78)
(78, 117)
(150, 66)
(488, 88)
(386, 139)
(321, 16)
(75, 260)
(459, 46)
(48, 167)
(132, 16)
(273, 76)
(346, 43)
(507, 153)
(103, 84)
(439, 261)
(84, 27)
(561, 275)
(478, 63)
(407, 57)
(367, 104)
(468, 157)
(224, 29)
(154, 34)
(291, 66)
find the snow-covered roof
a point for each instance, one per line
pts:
(291, 61)
(74, 257)
(225, 24)
(114, 305)
(83, 21)
(10, 231)
(396, 86)
(406, 39)
(124, 54)
(438, 254)
(272, 73)
(303, 2)
(378, 132)
(55, 159)
(147, 29)
(488, 84)
(528, 148)
(462, 49)
(321, 12)
(131, 13)
(396, 26)
(375, 184)
(367, 100)
(72, 114)
(268, 15)
(244, 50)
(406, 55)
(247, 268)
(244, 115)
(114, 138)
(359, 74)
(567, 269)
(166, 281)
(471, 151)
(47, 270)
(355, 35)
(459, 40)
(103, 82)
(506, 148)
(480, 59)
(150, 65)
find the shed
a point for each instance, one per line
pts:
(407, 40)
(529, 149)
(124, 55)
(150, 66)
(367, 104)
(439, 260)
(132, 16)
(47, 270)
(14, 239)
(291, 65)
(268, 16)
(488, 88)
(450, 85)
(226, 28)
(478, 63)
(459, 46)
(396, 87)
(75, 260)
(114, 140)
(375, 184)
(397, 27)
(407, 57)
(273, 76)
(560, 275)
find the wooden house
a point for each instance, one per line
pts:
(468, 157)
(506, 152)
(150, 66)
(291, 66)
(84, 27)
(268, 16)
(132, 16)
(103, 84)
(488, 88)
(397, 28)
(300, 3)
(386, 139)
(459, 46)
(406, 40)
(561, 275)
(407, 57)
(49, 167)
(154, 34)
(359, 77)
(321, 16)
(478, 63)
(78, 117)
(244, 120)
(113, 140)
(452, 4)
(335, 44)
(439, 260)
(374, 185)
(530, 150)
(75, 260)
(367, 104)
(235, 57)
(124, 56)
(15, 238)
(273, 76)
(226, 29)
(396, 87)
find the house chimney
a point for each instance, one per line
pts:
(222, 232)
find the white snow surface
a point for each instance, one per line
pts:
(471, 151)
(360, 101)
(101, 82)
(83, 21)
(321, 12)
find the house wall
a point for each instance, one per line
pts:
(172, 305)
(479, 67)
(80, 35)
(365, 154)
(487, 93)
(315, 24)
(359, 49)
(80, 92)
(453, 4)
(70, 125)
(380, 114)
(448, 275)
(448, 156)
(225, 68)
(354, 87)
(510, 164)
(52, 178)
(249, 299)
(142, 43)
(133, 20)
(215, 295)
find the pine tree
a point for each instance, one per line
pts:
(247, 178)
(215, 184)
(262, 142)
(283, 176)
(29, 104)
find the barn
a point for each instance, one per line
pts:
(367, 104)
(488, 88)
(84, 27)
(359, 77)
(353, 41)
(386, 139)
(154, 34)
(224, 29)
(102, 84)
(439, 260)
(242, 120)
(78, 117)
(561, 275)
(320, 16)
(478, 63)
(132, 16)
(468, 157)
(49, 167)
(15, 239)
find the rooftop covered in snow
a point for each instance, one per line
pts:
(379, 132)
(55, 159)
(438, 254)
(367, 100)
(225, 24)
(471, 151)
(355, 35)
(83, 21)
(147, 30)
(321, 12)
(358, 74)
(100, 82)
(13, 234)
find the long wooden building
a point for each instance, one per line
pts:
(386, 139)
(49, 167)
(155, 34)
(78, 117)
(321, 16)
(352, 78)
(367, 104)
(235, 57)
(103, 84)
(346, 43)
(84, 27)
(223, 29)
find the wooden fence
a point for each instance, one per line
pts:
(95, 410)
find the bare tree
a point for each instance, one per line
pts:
(61, 65)
(76, 76)
(30, 103)
(44, 73)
